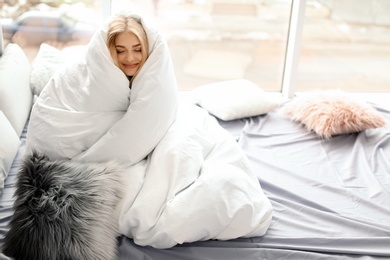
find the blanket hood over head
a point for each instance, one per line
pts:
(88, 105)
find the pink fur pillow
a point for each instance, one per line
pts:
(333, 112)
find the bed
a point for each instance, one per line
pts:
(333, 204)
(330, 195)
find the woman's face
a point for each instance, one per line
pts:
(129, 52)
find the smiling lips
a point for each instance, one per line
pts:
(130, 66)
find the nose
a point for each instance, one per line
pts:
(130, 57)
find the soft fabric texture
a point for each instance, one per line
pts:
(48, 60)
(186, 177)
(9, 144)
(196, 185)
(234, 99)
(333, 112)
(65, 210)
(15, 93)
(90, 98)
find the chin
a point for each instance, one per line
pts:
(129, 73)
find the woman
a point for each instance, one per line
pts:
(91, 98)
(128, 44)
(187, 179)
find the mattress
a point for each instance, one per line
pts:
(331, 198)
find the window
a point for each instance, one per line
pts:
(61, 26)
(345, 45)
(332, 44)
(215, 40)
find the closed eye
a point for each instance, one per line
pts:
(120, 49)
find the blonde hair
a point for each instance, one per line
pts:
(124, 23)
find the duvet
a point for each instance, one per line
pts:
(186, 178)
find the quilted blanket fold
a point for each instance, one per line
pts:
(186, 177)
(86, 106)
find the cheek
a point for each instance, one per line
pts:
(120, 58)
(139, 56)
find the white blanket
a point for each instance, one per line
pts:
(187, 178)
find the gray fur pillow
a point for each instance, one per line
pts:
(65, 210)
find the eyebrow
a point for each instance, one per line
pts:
(134, 46)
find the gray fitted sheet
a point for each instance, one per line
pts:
(331, 198)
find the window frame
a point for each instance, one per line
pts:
(294, 40)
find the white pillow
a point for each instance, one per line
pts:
(15, 92)
(48, 60)
(234, 99)
(9, 144)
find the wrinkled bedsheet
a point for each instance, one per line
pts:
(329, 196)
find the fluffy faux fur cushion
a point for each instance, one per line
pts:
(65, 210)
(333, 112)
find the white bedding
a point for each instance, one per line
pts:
(187, 178)
(196, 185)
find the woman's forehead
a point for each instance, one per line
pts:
(126, 39)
